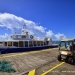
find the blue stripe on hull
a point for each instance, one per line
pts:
(24, 49)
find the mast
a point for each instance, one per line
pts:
(24, 27)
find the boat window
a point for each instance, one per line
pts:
(47, 42)
(21, 44)
(1, 42)
(26, 43)
(15, 44)
(41, 43)
(34, 43)
(19, 36)
(30, 43)
(23, 36)
(5, 43)
(9, 43)
(15, 36)
(38, 43)
(44, 42)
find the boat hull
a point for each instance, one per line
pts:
(24, 49)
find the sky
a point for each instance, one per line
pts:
(44, 18)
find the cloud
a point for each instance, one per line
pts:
(4, 37)
(49, 33)
(60, 36)
(13, 22)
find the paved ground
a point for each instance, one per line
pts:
(42, 61)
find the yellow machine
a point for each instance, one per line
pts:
(67, 52)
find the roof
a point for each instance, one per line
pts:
(67, 40)
(20, 40)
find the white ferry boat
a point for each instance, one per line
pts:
(24, 42)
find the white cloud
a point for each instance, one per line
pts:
(4, 37)
(49, 33)
(13, 22)
(60, 36)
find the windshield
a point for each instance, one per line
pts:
(66, 45)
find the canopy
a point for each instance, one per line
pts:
(67, 40)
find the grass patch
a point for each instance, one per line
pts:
(6, 66)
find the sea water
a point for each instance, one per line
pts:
(62, 44)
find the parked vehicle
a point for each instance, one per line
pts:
(67, 52)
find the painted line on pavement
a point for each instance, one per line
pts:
(53, 68)
(32, 72)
